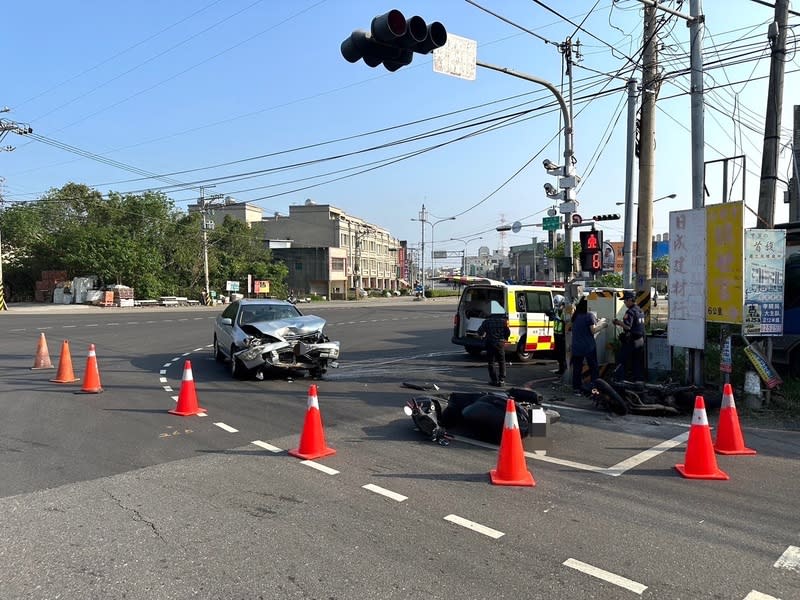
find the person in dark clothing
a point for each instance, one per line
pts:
(632, 339)
(584, 326)
(559, 331)
(494, 331)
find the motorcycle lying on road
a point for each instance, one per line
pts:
(479, 415)
(622, 397)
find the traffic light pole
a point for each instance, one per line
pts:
(569, 169)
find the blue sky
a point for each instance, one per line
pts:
(197, 91)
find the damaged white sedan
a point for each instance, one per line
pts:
(259, 335)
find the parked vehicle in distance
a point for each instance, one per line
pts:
(256, 335)
(529, 309)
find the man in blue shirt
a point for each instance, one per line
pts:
(632, 339)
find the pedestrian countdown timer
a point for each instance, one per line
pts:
(591, 251)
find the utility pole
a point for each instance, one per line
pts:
(696, 29)
(569, 205)
(7, 127)
(647, 134)
(772, 125)
(207, 223)
(627, 250)
(794, 183)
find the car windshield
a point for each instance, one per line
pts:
(254, 314)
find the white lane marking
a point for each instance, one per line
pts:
(162, 372)
(162, 380)
(173, 397)
(636, 460)
(790, 559)
(69, 326)
(132, 323)
(754, 595)
(628, 584)
(198, 349)
(42, 328)
(227, 428)
(266, 446)
(176, 359)
(477, 527)
(202, 414)
(168, 388)
(23, 329)
(319, 467)
(92, 325)
(186, 354)
(169, 364)
(384, 492)
(112, 323)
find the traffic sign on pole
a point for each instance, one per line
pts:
(551, 223)
(457, 57)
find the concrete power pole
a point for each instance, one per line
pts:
(772, 125)
(794, 187)
(627, 251)
(647, 158)
(207, 223)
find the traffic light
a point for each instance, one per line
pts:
(591, 251)
(611, 217)
(392, 40)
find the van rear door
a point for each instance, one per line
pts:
(538, 326)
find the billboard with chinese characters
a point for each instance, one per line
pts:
(261, 286)
(687, 278)
(724, 242)
(764, 280)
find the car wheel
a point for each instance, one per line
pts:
(522, 354)
(219, 356)
(474, 352)
(237, 370)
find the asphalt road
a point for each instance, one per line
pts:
(109, 496)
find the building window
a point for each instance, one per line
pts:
(337, 264)
(298, 266)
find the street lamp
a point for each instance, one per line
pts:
(464, 256)
(423, 218)
(656, 200)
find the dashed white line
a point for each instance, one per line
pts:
(618, 580)
(477, 527)
(69, 326)
(227, 428)
(92, 325)
(319, 467)
(162, 380)
(162, 372)
(790, 559)
(198, 349)
(266, 446)
(384, 492)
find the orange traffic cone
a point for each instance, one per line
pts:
(91, 377)
(187, 398)
(312, 439)
(65, 374)
(42, 358)
(729, 433)
(700, 462)
(511, 466)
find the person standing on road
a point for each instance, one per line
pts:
(632, 339)
(495, 332)
(584, 326)
(559, 336)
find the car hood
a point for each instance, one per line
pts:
(290, 328)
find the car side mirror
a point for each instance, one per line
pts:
(225, 321)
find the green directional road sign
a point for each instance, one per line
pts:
(551, 223)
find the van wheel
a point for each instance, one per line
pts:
(522, 354)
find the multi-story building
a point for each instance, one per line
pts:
(327, 251)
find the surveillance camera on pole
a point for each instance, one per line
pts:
(551, 192)
(552, 168)
(393, 40)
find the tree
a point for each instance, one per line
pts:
(660, 268)
(139, 240)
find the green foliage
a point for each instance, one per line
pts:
(139, 240)
(610, 280)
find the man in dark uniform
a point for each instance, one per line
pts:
(494, 331)
(632, 339)
(559, 334)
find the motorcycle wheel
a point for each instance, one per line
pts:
(613, 400)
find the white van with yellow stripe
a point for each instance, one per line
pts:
(529, 309)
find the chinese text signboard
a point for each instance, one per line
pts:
(261, 286)
(724, 241)
(687, 278)
(764, 278)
